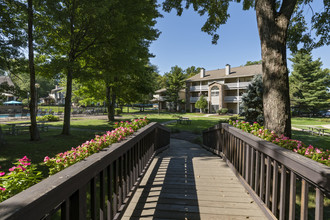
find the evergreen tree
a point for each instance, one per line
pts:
(309, 84)
(175, 81)
(252, 102)
(201, 103)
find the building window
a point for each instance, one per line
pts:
(215, 91)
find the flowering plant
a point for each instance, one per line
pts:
(317, 154)
(20, 177)
(66, 159)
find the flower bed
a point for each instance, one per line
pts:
(317, 154)
(24, 174)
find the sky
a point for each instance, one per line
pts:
(183, 43)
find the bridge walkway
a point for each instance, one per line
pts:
(188, 182)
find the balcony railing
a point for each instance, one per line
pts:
(194, 99)
(232, 98)
(241, 85)
(199, 88)
(100, 186)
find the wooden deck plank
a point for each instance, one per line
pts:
(188, 182)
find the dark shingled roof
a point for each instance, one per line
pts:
(241, 71)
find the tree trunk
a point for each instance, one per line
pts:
(67, 104)
(2, 139)
(70, 67)
(108, 101)
(113, 104)
(273, 28)
(34, 133)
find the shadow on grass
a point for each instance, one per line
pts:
(50, 144)
(315, 140)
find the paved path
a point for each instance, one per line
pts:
(188, 182)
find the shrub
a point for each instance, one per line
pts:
(319, 155)
(223, 110)
(117, 111)
(48, 118)
(66, 159)
(20, 177)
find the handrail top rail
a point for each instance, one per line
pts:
(59, 185)
(316, 173)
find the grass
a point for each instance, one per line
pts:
(51, 143)
(198, 124)
(315, 140)
(310, 121)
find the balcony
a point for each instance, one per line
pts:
(194, 99)
(232, 98)
(241, 85)
(199, 88)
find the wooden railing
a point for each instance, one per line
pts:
(100, 187)
(285, 184)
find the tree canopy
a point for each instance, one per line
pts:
(201, 103)
(252, 104)
(175, 81)
(309, 84)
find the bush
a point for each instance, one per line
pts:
(223, 110)
(20, 177)
(317, 154)
(48, 118)
(117, 111)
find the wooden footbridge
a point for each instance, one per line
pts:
(188, 182)
(149, 176)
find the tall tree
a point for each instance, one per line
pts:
(123, 57)
(273, 18)
(72, 28)
(249, 63)
(34, 132)
(175, 81)
(191, 71)
(12, 38)
(309, 84)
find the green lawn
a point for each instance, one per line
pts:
(51, 143)
(310, 121)
(315, 140)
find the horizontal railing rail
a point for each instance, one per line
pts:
(282, 182)
(99, 187)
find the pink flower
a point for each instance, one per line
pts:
(318, 151)
(20, 167)
(12, 169)
(24, 159)
(2, 173)
(2, 189)
(46, 159)
(26, 164)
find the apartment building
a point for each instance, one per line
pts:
(222, 88)
(160, 99)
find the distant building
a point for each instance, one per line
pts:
(160, 98)
(222, 88)
(7, 95)
(56, 96)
